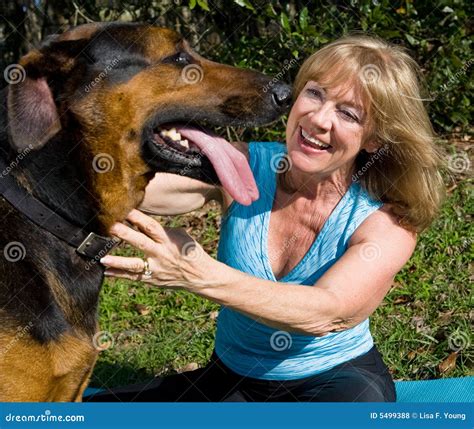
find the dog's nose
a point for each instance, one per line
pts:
(281, 95)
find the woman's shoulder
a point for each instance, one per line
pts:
(382, 228)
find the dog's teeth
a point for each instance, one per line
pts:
(174, 135)
(184, 143)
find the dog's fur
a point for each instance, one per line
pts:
(96, 89)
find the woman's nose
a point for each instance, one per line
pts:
(321, 119)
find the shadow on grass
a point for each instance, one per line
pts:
(107, 375)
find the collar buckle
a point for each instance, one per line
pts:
(96, 246)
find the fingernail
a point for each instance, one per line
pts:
(107, 273)
(105, 260)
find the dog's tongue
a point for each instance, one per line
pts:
(232, 169)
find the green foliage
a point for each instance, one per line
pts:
(262, 34)
(437, 34)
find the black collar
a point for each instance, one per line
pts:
(86, 243)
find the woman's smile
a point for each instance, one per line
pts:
(311, 145)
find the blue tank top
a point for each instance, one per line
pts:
(253, 349)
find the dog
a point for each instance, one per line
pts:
(81, 138)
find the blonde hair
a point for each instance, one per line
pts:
(405, 171)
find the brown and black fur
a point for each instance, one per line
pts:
(49, 298)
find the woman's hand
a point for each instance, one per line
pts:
(174, 258)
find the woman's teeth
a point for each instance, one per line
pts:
(313, 141)
(172, 134)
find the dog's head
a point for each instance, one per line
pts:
(116, 89)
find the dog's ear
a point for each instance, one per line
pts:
(32, 114)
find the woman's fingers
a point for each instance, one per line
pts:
(147, 225)
(132, 265)
(135, 238)
(112, 272)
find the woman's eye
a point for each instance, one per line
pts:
(349, 116)
(315, 92)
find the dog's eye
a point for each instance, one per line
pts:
(181, 58)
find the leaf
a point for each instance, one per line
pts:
(203, 4)
(142, 309)
(304, 19)
(411, 40)
(189, 367)
(403, 299)
(448, 364)
(445, 318)
(192, 4)
(244, 3)
(414, 353)
(285, 23)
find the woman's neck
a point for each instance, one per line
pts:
(310, 186)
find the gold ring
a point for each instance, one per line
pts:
(146, 273)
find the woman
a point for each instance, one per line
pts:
(359, 180)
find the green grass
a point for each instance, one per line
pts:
(428, 311)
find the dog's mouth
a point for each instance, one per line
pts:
(199, 153)
(170, 138)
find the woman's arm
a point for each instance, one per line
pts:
(343, 297)
(172, 194)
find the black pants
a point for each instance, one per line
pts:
(363, 379)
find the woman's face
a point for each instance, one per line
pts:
(325, 130)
